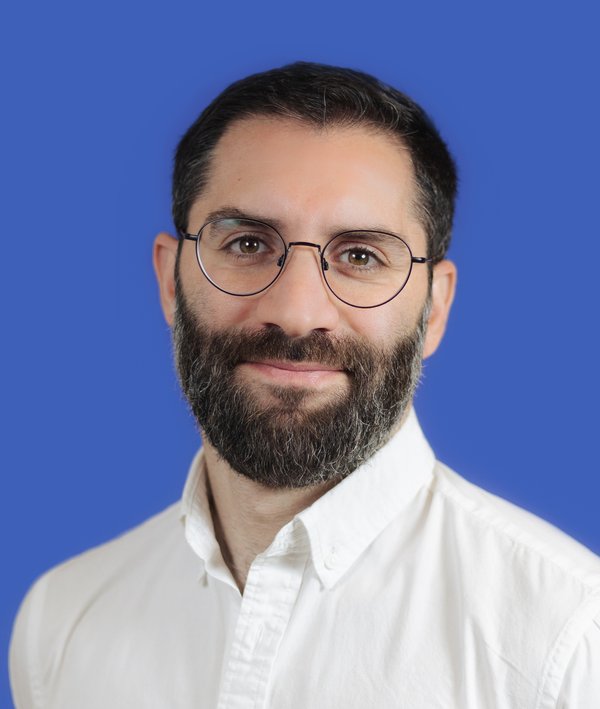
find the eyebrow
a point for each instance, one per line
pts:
(235, 213)
(231, 212)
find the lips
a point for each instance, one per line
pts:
(296, 366)
(311, 375)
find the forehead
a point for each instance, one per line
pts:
(349, 177)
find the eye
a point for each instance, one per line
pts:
(248, 245)
(358, 257)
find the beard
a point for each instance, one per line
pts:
(287, 444)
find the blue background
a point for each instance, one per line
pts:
(95, 436)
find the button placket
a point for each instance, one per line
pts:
(269, 597)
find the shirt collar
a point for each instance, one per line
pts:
(342, 523)
(197, 517)
(347, 519)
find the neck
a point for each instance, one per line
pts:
(248, 515)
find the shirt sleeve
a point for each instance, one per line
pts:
(581, 685)
(25, 687)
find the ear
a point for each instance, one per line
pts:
(164, 257)
(442, 295)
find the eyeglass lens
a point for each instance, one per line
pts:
(243, 257)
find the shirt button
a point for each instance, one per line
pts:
(331, 559)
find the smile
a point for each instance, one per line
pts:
(305, 374)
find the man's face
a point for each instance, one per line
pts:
(293, 360)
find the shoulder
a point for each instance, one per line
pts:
(60, 600)
(124, 555)
(532, 591)
(505, 525)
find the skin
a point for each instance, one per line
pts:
(316, 183)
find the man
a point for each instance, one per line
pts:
(320, 556)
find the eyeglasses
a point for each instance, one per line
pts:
(364, 269)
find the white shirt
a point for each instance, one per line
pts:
(404, 586)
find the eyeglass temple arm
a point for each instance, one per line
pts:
(421, 259)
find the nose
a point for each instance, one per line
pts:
(299, 301)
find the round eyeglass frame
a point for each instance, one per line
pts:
(287, 248)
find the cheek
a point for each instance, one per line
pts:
(214, 307)
(380, 326)
(389, 322)
(217, 309)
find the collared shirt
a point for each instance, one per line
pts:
(403, 586)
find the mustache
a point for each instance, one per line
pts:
(346, 353)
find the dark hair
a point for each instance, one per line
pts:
(324, 95)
